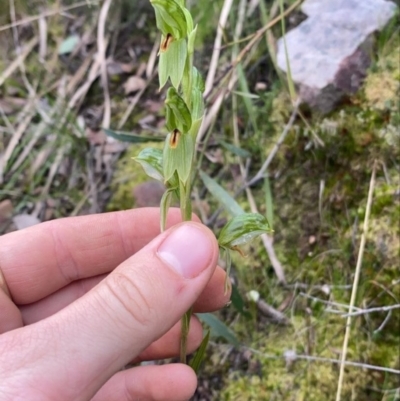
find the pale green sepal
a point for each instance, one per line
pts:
(164, 206)
(151, 161)
(178, 158)
(172, 63)
(242, 229)
(177, 61)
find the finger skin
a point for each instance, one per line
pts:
(77, 350)
(10, 316)
(211, 299)
(175, 382)
(40, 260)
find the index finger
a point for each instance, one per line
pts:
(42, 259)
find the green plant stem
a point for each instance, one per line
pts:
(186, 211)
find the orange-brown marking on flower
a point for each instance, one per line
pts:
(166, 42)
(237, 249)
(173, 141)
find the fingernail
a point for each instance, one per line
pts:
(188, 250)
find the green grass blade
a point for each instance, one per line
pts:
(238, 302)
(235, 150)
(132, 138)
(218, 328)
(292, 90)
(221, 195)
(200, 354)
(269, 202)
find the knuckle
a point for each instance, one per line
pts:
(129, 292)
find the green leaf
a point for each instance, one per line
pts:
(151, 161)
(68, 45)
(198, 358)
(242, 229)
(221, 195)
(218, 328)
(172, 63)
(170, 18)
(246, 94)
(235, 150)
(132, 138)
(178, 114)
(178, 158)
(238, 302)
(164, 206)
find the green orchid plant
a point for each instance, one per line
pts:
(184, 110)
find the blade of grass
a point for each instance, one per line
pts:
(227, 201)
(291, 87)
(356, 280)
(218, 328)
(200, 354)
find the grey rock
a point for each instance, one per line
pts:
(22, 221)
(329, 52)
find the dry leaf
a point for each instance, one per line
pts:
(134, 84)
(96, 137)
(6, 209)
(116, 68)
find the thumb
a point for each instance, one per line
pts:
(136, 304)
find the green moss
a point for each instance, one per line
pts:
(320, 196)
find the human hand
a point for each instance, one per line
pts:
(88, 295)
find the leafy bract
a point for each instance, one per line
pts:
(164, 206)
(151, 161)
(242, 229)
